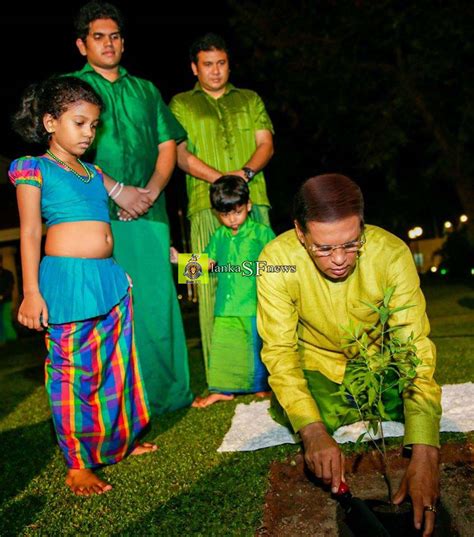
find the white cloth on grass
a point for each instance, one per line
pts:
(253, 428)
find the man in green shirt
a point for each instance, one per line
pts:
(229, 133)
(136, 144)
(340, 264)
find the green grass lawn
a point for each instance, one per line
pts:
(186, 488)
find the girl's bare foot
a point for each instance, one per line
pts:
(84, 482)
(263, 394)
(144, 447)
(201, 402)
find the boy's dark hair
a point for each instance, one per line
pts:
(52, 96)
(327, 198)
(96, 10)
(228, 192)
(206, 43)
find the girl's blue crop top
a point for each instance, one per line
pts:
(64, 197)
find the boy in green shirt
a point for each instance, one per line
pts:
(234, 363)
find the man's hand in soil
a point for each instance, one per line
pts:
(322, 455)
(421, 483)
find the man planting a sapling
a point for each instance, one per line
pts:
(344, 271)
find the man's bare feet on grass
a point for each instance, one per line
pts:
(144, 447)
(84, 482)
(201, 402)
(262, 394)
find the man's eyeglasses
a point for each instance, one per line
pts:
(327, 250)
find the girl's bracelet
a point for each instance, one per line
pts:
(112, 190)
(119, 191)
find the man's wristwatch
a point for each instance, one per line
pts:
(249, 173)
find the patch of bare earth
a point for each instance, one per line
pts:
(296, 506)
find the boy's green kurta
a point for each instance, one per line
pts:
(237, 291)
(301, 315)
(133, 122)
(234, 360)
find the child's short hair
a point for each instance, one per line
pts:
(228, 192)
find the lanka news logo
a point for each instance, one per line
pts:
(193, 268)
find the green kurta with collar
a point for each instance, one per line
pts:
(235, 365)
(133, 122)
(237, 290)
(300, 318)
(221, 132)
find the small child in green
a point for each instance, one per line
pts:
(235, 366)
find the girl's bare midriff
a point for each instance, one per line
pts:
(90, 239)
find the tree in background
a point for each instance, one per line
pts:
(457, 254)
(381, 91)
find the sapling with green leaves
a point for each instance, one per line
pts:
(378, 361)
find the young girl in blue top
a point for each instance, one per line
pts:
(77, 293)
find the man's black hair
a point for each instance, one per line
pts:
(229, 192)
(328, 198)
(96, 10)
(206, 43)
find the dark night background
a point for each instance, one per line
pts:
(381, 91)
